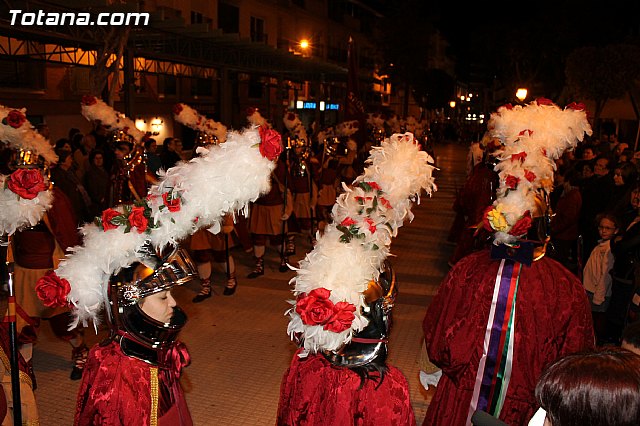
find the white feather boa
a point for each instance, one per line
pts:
(17, 212)
(533, 136)
(224, 178)
(400, 171)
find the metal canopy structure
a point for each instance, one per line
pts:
(167, 40)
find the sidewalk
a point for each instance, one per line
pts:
(239, 344)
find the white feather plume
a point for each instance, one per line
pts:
(533, 136)
(225, 178)
(109, 117)
(188, 116)
(401, 171)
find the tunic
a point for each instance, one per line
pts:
(552, 319)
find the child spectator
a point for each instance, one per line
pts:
(596, 276)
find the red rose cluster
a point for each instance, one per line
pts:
(26, 183)
(315, 308)
(53, 290)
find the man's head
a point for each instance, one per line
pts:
(601, 166)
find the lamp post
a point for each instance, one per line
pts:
(521, 94)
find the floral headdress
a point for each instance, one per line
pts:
(533, 137)
(331, 279)
(95, 109)
(24, 194)
(190, 196)
(188, 116)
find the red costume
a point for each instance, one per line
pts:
(314, 392)
(552, 319)
(118, 389)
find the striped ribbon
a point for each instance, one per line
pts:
(494, 369)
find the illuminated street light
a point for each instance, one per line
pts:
(304, 44)
(521, 94)
(452, 104)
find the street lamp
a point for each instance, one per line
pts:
(452, 104)
(521, 94)
(304, 44)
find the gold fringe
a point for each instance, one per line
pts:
(153, 419)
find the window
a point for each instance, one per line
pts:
(228, 18)
(257, 30)
(167, 84)
(22, 73)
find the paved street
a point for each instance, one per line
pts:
(239, 345)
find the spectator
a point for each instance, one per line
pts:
(65, 179)
(169, 156)
(592, 388)
(596, 197)
(96, 181)
(631, 337)
(154, 163)
(597, 273)
(564, 224)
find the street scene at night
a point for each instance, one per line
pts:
(318, 213)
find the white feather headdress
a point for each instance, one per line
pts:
(193, 195)
(188, 116)
(354, 246)
(24, 194)
(533, 137)
(293, 123)
(95, 109)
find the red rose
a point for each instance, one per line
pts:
(315, 308)
(485, 219)
(508, 106)
(271, 143)
(526, 132)
(374, 185)
(26, 183)
(522, 225)
(348, 222)
(544, 101)
(519, 156)
(577, 106)
(370, 225)
(342, 317)
(530, 176)
(107, 216)
(172, 204)
(512, 181)
(177, 109)
(15, 118)
(291, 116)
(385, 203)
(89, 100)
(138, 220)
(53, 290)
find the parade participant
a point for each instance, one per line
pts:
(25, 196)
(270, 212)
(345, 290)
(327, 178)
(502, 314)
(132, 377)
(128, 169)
(303, 169)
(208, 245)
(143, 233)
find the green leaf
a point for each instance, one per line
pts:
(127, 229)
(365, 186)
(370, 210)
(120, 220)
(375, 247)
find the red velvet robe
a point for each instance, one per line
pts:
(552, 319)
(314, 392)
(116, 390)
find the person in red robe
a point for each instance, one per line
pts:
(503, 314)
(132, 378)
